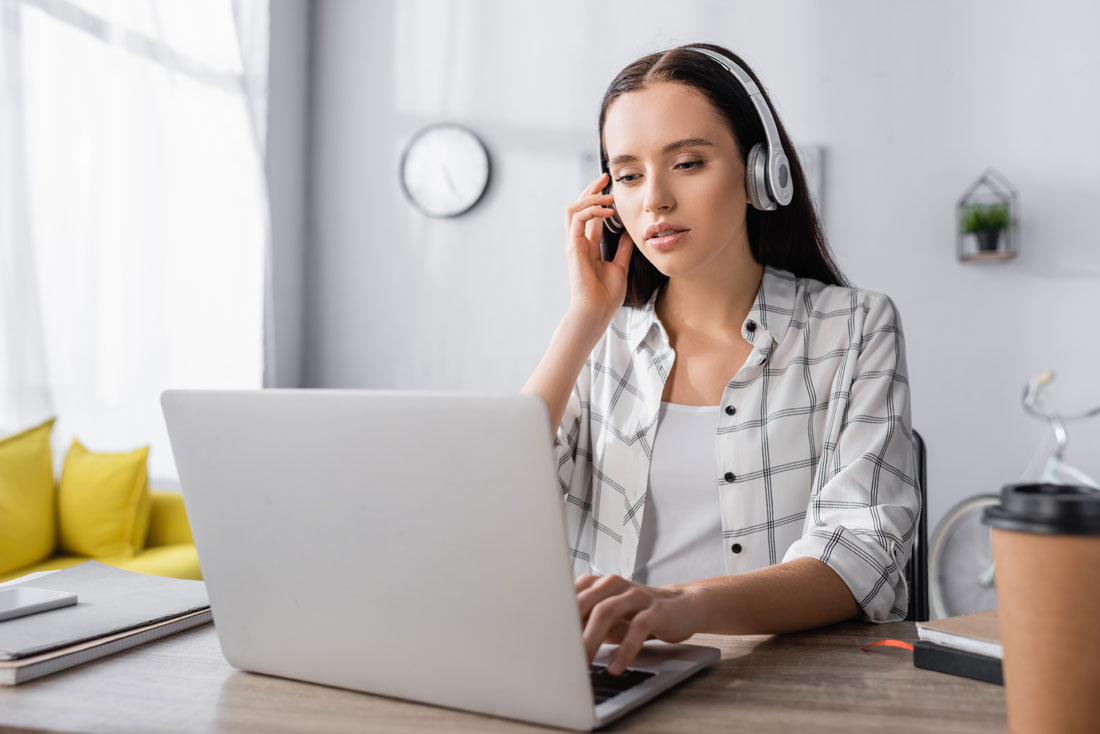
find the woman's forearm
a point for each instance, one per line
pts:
(788, 597)
(557, 372)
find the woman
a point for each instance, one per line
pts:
(733, 424)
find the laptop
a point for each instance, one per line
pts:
(407, 544)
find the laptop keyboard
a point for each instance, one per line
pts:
(605, 685)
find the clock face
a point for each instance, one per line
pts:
(445, 170)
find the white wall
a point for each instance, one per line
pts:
(911, 101)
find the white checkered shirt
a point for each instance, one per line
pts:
(815, 448)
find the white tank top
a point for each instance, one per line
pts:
(681, 538)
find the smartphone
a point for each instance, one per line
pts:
(24, 600)
(609, 242)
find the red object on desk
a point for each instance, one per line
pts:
(889, 643)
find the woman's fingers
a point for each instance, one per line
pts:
(596, 185)
(584, 236)
(586, 205)
(609, 612)
(630, 644)
(595, 211)
(626, 247)
(618, 631)
(595, 286)
(591, 194)
(617, 611)
(584, 581)
(583, 219)
(600, 589)
(583, 201)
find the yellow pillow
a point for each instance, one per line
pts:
(103, 502)
(27, 533)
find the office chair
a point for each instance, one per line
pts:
(916, 570)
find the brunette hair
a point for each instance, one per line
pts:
(789, 237)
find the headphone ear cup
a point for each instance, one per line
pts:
(756, 182)
(784, 189)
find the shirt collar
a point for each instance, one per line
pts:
(772, 310)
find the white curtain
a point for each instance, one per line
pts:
(134, 231)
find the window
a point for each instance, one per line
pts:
(135, 213)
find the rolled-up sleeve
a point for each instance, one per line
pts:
(862, 520)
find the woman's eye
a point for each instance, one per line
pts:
(689, 166)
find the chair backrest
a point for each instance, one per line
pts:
(916, 571)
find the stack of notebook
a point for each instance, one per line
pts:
(115, 610)
(968, 645)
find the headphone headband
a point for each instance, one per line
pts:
(769, 180)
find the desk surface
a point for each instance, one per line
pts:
(814, 681)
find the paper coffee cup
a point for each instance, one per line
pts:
(1046, 547)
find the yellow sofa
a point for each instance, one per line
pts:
(169, 547)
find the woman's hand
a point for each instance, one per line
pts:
(597, 288)
(620, 611)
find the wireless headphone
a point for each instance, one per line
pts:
(767, 171)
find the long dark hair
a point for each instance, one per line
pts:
(790, 237)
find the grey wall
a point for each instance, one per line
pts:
(911, 101)
(288, 179)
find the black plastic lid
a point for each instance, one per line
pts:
(1050, 509)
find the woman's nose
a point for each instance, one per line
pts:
(657, 196)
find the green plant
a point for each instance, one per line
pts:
(985, 218)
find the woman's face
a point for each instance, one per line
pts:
(673, 160)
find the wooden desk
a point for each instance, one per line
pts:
(816, 681)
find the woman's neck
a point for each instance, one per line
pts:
(712, 304)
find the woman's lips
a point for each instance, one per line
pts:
(664, 243)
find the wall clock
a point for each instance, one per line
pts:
(445, 170)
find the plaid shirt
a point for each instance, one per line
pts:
(814, 442)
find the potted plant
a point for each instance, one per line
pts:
(986, 222)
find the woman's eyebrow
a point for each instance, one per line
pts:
(685, 143)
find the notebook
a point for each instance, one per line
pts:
(115, 610)
(978, 633)
(968, 645)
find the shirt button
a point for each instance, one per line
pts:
(729, 476)
(751, 326)
(730, 410)
(736, 547)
